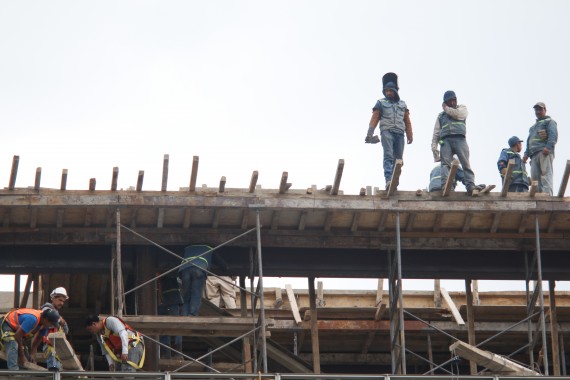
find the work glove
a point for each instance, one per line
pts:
(436, 157)
(543, 134)
(372, 140)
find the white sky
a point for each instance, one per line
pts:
(268, 86)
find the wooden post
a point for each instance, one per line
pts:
(507, 178)
(119, 273)
(194, 174)
(253, 181)
(16, 291)
(115, 179)
(147, 300)
(246, 352)
(470, 323)
(450, 178)
(554, 329)
(337, 177)
(437, 293)
(314, 327)
(14, 172)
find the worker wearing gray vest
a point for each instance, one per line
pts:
(449, 132)
(542, 138)
(519, 177)
(394, 117)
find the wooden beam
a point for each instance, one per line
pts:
(65, 353)
(27, 365)
(293, 304)
(26, 296)
(244, 219)
(490, 360)
(222, 186)
(115, 179)
(314, 327)
(92, 184)
(337, 177)
(533, 188)
(354, 224)
(14, 172)
(253, 181)
(283, 184)
(278, 299)
(470, 323)
(216, 218)
(164, 183)
(63, 185)
(554, 334)
(328, 221)
(320, 295)
(437, 293)
(17, 278)
(38, 179)
(395, 181)
(194, 175)
(507, 177)
(451, 305)
(523, 223)
(380, 302)
(275, 220)
(140, 180)
(564, 182)
(496, 221)
(410, 223)
(467, 222)
(302, 221)
(450, 178)
(187, 216)
(160, 218)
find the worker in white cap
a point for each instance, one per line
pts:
(58, 296)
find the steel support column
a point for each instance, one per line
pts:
(397, 333)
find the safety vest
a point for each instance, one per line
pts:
(392, 116)
(450, 126)
(519, 176)
(114, 346)
(13, 320)
(536, 143)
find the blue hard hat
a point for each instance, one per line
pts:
(449, 95)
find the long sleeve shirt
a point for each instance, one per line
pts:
(118, 328)
(459, 113)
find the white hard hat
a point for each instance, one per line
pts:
(60, 291)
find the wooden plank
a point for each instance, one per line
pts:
(14, 172)
(564, 182)
(507, 177)
(63, 185)
(140, 179)
(92, 184)
(451, 305)
(65, 352)
(395, 181)
(278, 299)
(115, 179)
(437, 293)
(26, 295)
(380, 302)
(320, 295)
(194, 174)
(470, 323)
(38, 179)
(554, 334)
(315, 345)
(160, 218)
(28, 365)
(283, 184)
(493, 362)
(450, 178)
(253, 181)
(337, 177)
(533, 188)
(293, 304)
(222, 186)
(164, 183)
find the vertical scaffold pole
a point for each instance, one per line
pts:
(397, 333)
(261, 305)
(119, 268)
(400, 298)
(541, 295)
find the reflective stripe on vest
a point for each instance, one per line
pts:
(114, 346)
(13, 320)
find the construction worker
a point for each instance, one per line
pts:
(449, 131)
(58, 296)
(23, 323)
(394, 117)
(435, 179)
(221, 289)
(170, 304)
(519, 178)
(197, 258)
(122, 345)
(542, 138)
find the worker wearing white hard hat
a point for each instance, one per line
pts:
(58, 296)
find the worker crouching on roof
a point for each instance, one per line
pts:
(23, 323)
(58, 297)
(519, 177)
(122, 345)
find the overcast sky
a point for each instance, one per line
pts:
(268, 86)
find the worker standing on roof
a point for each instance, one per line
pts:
(394, 117)
(121, 344)
(542, 138)
(23, 323)
(197, 259)
(58, 296)
(519, 178)
(450, 132)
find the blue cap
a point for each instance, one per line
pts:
(449, 95)
(514, 140)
